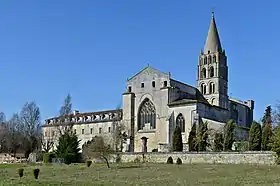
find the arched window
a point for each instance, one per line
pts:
(180, 121)
(213, 101)
(203, 73)
(211, 72)
(146, 114)
(203, 88)
(211, 88)
(214, 59)
(205, 61)
(209, 59)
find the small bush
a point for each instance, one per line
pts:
(47, 158)
(155, 150)
(169, 160)
(179, 161)
(118, 158)
(20, 172)
(137, 160)
(89, 163)
(36, 173)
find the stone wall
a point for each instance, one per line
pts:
(7, 158)
(264, 157)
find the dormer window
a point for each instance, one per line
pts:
(142, 85)
(129, 89)
(153, 84)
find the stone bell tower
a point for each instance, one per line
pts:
(212, 80)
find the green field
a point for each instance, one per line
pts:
(142, 174)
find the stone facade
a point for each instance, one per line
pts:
(154, 104)
(267, 158)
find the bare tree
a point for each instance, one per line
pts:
(47, 142)
(66, 108)
(30, 121)
(119, 135)
(65, 113)
(97, 148)
(276, 114)
(14, 137)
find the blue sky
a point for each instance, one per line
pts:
(89, 48)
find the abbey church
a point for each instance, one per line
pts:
(154, 104)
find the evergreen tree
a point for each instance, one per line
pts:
(267, 130)
(68, 147)
(255, 137)
(229, 135)
(276, 144)
(202, 137)
(177, 140)
(218, 142)
(191, 138)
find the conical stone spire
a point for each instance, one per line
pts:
(213, 43)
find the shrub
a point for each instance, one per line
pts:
(155, 150)
(47, 158)
(179, 161)
(218, 142)
(20, 172)
(177, 142)
(191, 138)
(118, 158)
(229, 135)
(70, 158)
(36, 173)
(89, 163)
(137, 160)
(169, 160)
(255, 137)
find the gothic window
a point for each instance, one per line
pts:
(211, 70)
(209, 59)
(203, 73)
(146, 114)
(180, 121)
(205, 61)
(214, 59)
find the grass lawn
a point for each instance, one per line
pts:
(144, 174)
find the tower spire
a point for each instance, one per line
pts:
(212, 43)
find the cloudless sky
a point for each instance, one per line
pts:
(49, 48)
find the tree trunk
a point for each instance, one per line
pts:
(107, 162)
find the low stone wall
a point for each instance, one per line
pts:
(263, 157)
(7, 158)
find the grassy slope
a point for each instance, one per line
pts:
(150, 174)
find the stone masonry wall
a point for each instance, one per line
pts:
(264, 157)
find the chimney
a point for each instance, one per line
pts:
(76, 112)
